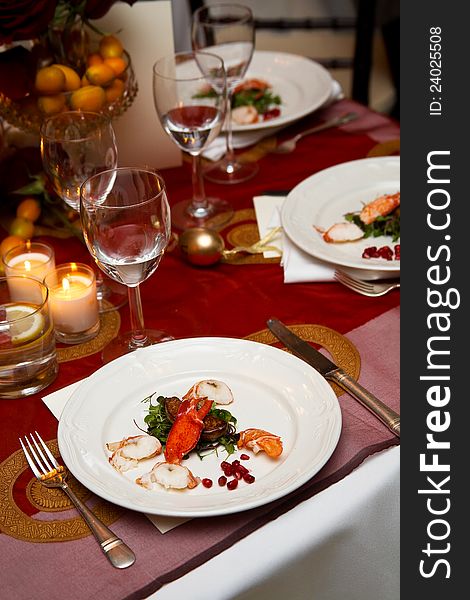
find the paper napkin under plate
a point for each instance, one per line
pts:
(298, 265)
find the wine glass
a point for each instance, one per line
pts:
(126, 224)
(74, 146)
(227, 30)
(191, 107)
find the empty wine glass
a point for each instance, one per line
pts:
(126, 223)
(74, 146)
(228, 31)
(191, 107)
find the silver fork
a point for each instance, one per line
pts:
(49, 472)
(290, 144)
(366, 288)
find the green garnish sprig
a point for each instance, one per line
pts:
(388, 225)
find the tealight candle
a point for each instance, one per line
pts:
(28, 260)
(73, 302)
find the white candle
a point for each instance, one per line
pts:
(73, 302)
(32, 260)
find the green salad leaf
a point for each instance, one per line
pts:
(388, 225)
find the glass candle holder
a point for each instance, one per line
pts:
(73, 302)
(28, 361)
(30, 260)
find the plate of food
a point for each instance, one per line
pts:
(279, 88)
(349, 215)
(199, 427)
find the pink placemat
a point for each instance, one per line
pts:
(77, 569)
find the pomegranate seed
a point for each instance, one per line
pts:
(248, 478)
(235, 463)
(385, 252)
(232, 484)
(237, 475)
(222, 480)
(397, 252)
(244, 457)
(224, 464)
(241, 469)
(228, 470)
(206, 482)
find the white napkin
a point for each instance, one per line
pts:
(55, 402)
(243, 139)
(298, 265)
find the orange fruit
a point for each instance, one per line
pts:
(115, 90)
(10, 242)
(94, 59)
(23, 228)
(29, 208)
(50, 80)
(72, 80)
(51, 105)
(100, 74)
(110, 46)
(84, 81)
(117, 64)
(89, 97)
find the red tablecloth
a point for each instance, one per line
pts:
(228, 300)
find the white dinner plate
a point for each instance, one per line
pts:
(273, 390)
(303, 85)
(322, 200)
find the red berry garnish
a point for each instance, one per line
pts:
(397, 252)
(237, 475)
(232, 484)
(385, 252)
(206, 482)
(235, 463)
(241, 469)
(228, 470)
(222, 480)
(248, 478)
(244, 457)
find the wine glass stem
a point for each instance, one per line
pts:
(199, 203)
(139, 337)
(230, 154)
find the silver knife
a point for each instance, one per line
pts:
(330, 371)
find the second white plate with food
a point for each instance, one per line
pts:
(302, 84)
(323, 199)
(272, 390)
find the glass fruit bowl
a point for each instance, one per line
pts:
(108, 94)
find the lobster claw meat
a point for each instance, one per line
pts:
(187, 428)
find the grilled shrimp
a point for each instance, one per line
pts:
(127, 453)
(245, 115)
(343, 232)
(212, 389)
(168, 475)
(259, 440)
(380, 207)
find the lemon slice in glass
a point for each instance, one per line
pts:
(26, 323)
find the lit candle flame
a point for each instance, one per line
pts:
(27, 265)
(65, 284)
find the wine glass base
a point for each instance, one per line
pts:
(227, 172)
(217, 214)
(122, 344)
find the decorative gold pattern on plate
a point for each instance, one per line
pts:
(244, 232)
(343, 352)
(15, 523)
(109, 327)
